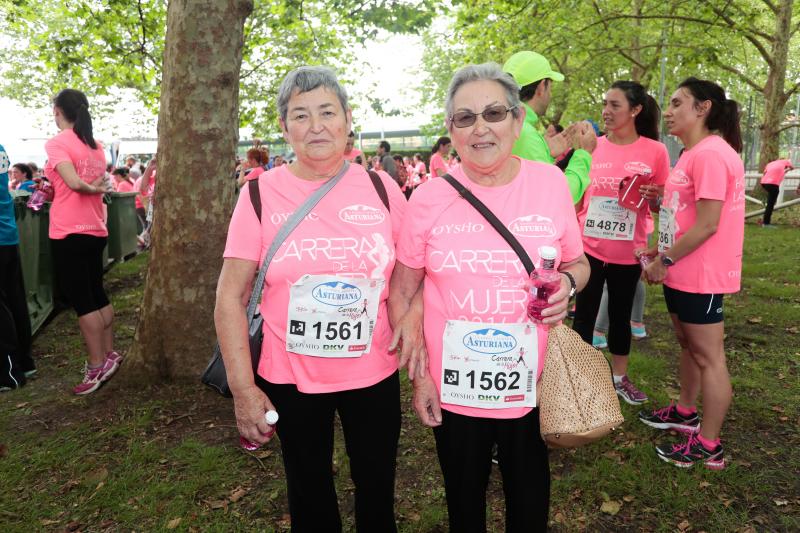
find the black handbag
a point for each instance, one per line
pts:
(215, 375)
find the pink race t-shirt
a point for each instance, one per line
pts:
(471, 273)
(124, 186)
(437, 163)
(329, 241)
(711, 170)
(610, 163)
(775, 171)
(74, 212)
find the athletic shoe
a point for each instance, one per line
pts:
(115, 357)
(93, 378)
(669, 418)
(599, 341)
(638, 332)
(628, 392)
(686, 455)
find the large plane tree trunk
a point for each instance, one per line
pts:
(198, 126)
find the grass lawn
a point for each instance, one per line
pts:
(166, 458)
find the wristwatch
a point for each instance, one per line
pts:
(667, 261)
(573, 286)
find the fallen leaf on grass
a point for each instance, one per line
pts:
(559, 518)
(611, 507)
(781, 418)
(237, 494)
(96, 476)
(175, 522)
(754, 319)
(781, 503)
(793, 330)
(218, 504)
(3, 450)
(704, 484)
(684, 525)
(48, 522)
(628, 498)
(21, 405)
(74, 525)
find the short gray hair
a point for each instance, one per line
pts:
(485, 71)
(306, 79)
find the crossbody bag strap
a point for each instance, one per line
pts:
(377, 182)
(494, 221)
(291, 223)
(255, 196)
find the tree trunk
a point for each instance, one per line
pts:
(198, 128)
(775, 95)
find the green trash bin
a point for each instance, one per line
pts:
(36, 258)
(122, 226)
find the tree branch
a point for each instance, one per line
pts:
(787, 127)
(772, 7)
(741, 75)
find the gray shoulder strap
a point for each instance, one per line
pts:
(285, 230)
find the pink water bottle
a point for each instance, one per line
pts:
(544, 282)
(644, 260)
(39, 196)
(272, 418)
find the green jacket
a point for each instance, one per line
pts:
(532, 146)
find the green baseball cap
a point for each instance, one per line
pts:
(528, 67)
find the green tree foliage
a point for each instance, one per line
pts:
(735, 42)
(102, 45)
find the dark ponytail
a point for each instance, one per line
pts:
(75, 108)
(724, 114)
(442, 141)
(646, 122)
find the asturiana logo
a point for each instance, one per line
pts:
(336, 293)
(490, 341)
(637, 167)
(362, 215)
(532, 226)
(612, 206)
(678, 177)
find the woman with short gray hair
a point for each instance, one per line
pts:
(326, 327)
(484, 354)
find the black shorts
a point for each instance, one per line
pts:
(78, 264)
(694, 308)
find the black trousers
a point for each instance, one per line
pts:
(772, 197)
(371, 424)
(464, 445)
(78, 263)
(15, 324)
(621, 280)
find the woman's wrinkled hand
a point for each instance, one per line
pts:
(426, 401)
(409, 343)
(250, 406)
(559, 304)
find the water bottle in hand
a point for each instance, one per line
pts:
(544, 282)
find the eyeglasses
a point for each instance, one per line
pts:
(495, 113)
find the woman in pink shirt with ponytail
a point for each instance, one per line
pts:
(699, 259)
(76, 167)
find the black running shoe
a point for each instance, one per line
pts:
(669, 418)
(687, 454)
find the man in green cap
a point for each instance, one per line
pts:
(534, 75)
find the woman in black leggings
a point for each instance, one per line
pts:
(611, 232)
(76, 167)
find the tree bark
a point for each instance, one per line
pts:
(775, 95)
(198, 128)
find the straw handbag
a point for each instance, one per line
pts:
(577, 403)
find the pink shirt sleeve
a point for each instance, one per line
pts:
(57, 151)
(709, 173)
(244, 232)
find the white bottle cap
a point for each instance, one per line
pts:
(271, 417)
(547, 252)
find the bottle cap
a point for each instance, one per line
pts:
(547, 252)
(271, 417)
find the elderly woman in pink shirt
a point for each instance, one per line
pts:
(476, 388)
(326, 327)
